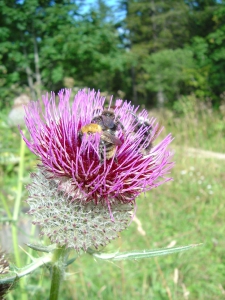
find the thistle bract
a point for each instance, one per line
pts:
(81, 196)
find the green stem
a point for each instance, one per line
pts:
(16, 214)
(20, 180)
(6, 207)
(58, 268)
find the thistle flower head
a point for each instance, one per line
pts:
(95, 160)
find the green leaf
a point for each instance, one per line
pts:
(141, 254)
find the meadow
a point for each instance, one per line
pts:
(188, 210)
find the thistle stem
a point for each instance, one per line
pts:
(16, 214)
(59, 261)
(18, 203)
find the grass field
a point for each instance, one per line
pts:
(188, 210)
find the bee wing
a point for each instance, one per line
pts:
(158, 129)
(108, 121)
(107, 137)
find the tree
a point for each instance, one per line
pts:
(152, 26)
(209, 52)
(44, 42)
(26, 26)
(165, 72)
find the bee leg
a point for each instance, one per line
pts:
(101, 151)
(80, 134)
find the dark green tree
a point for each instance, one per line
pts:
(152, 26)
(26, 26)
(210, 53)
(44, 42)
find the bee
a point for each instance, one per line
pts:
(147, 138)
(108, 121)
(107, 126)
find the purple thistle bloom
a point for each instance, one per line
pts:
(75, 170)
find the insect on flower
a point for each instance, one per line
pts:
(107, 126)
(143, 125)
(93, 165)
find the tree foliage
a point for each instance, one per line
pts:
(156, 49)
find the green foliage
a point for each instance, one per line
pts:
(169, 71)
(171, 44)
(168, 48)
(44, 42)
(156, 25)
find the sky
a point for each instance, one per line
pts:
(89, 3)
(118, 15)
(109, 2)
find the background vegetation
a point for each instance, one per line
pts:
(153, 51)
(167, 55)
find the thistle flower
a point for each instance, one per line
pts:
(84, 190)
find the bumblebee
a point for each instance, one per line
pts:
(147, 136)
(108, 121)
(107, 126)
